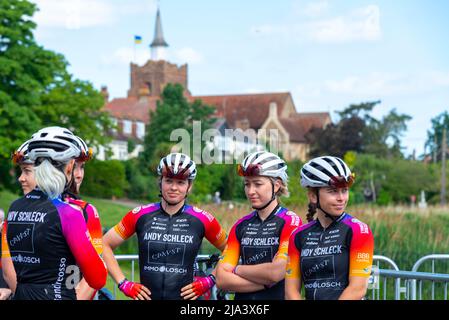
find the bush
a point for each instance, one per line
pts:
(104, 179)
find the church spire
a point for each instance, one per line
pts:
(158, 45)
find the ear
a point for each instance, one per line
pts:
(190, 186)
(69, 168)
(277, 185)
(311, 194)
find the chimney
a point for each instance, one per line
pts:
(105, 93)
(273, 110)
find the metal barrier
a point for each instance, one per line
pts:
(441, 277)
(374, 281)
(379, 276)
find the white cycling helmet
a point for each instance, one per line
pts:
(326, 171)
(21, 156)
(56, 143)
(177, 166)
(263, 163)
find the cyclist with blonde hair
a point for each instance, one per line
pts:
(260, 239)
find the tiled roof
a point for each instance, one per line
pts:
(254, 107)
(132, 108)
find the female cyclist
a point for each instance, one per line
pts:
(259, 239)
(47, 239)
(332, 254)
(169, 236)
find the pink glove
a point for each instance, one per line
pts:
(203, 284)
(130, 289)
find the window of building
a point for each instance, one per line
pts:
(140, 129)
(127, 127)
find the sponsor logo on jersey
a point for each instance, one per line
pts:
(363, 226)
(136, 210)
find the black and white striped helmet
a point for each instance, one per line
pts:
(177, 166)
(326, 171)
(56, 143)
(263, 163)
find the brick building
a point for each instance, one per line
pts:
(268, 113)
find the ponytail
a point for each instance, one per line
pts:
(49, 179)
(311, 211)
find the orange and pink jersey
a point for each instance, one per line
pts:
(324, 259)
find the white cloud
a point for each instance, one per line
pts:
(388, 84)
(313, 9)
(361, 24)
(189, 55)
(77, 14)
(126, 55)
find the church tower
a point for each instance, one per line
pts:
(152, 77)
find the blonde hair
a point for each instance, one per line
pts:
(283, 190)
(49, 179)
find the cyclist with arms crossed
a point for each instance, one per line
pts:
(169, 236)
(44, 236)
(260, 239)
(331, 255)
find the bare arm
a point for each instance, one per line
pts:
(9, 273)
(226, 280)
(112, 240)
(293, 289)
(356, 289)
(264, 273)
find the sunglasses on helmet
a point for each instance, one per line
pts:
(17, 157)
(251, 170)
(342, 182)
(182, 174)
(85, 156)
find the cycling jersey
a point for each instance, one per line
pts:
(46, 239)
(256, 241)
(325, 258)
(93, 222)
(168, 245)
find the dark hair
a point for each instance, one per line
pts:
(311, 211)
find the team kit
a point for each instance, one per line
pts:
(53, 246)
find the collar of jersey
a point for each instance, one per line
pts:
(180, 211)
(271, 215)
(341, 217)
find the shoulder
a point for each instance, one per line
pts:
(357, 226)
(290, 217)
(245, 219)
(203, 215)
(145, 209)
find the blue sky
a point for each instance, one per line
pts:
(328, 54)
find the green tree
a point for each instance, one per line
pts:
(173, 111)
(359, 132)
(36, 90)
(435, 135)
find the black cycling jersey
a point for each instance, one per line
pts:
(168, 245)
(255, 241)
(325, 258)
(47, 241)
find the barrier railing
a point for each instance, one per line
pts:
(378, 282)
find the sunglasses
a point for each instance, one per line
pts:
(17, 157)
(251, 170)
(342, 182)
(83, 157)
(181, 175)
